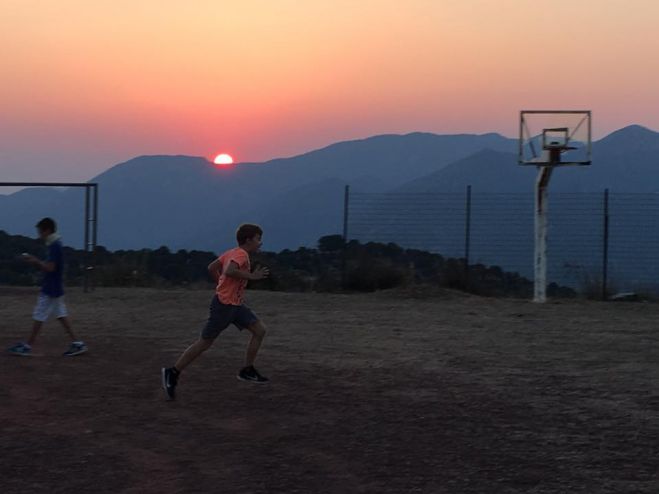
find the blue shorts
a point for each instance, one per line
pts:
(222, 315)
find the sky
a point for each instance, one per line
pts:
(88, 84)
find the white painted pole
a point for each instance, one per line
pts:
(540, 263)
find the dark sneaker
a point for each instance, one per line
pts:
(21, 349)
(169, 380)
(76, 348)
(251, 374)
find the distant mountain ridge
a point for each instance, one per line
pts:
(186, 202)
(626, 160)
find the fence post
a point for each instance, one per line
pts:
(344, 260)
(467, 234)
(86, 249)
(94, 233)
(605, 247)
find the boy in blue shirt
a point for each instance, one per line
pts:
(51, 297)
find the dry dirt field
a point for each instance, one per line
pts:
(381, 393)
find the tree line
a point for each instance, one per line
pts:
(332, 266)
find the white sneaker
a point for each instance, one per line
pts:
(76, 348)
(21, 349)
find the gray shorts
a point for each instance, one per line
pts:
(222, 315)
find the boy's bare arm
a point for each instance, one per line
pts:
(46, 266)
(49, 267)
(234, 272)
(215, 269)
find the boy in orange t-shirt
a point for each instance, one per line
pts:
(232, 272)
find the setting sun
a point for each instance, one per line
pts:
(223, 159)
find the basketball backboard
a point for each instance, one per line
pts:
(554, 138)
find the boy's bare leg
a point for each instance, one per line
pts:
(66, 324)
(36, 327)
(170, 375)
(192, 352)
(258, 333)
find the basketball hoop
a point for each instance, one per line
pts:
(549, 139)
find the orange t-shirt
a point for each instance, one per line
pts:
(230, 290)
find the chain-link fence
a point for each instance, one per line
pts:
(597, 242)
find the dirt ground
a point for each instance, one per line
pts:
(382, 393)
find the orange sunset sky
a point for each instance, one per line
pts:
(87, 84)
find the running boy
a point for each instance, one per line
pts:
(51, 297)
(232, 272)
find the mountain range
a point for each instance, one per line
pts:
(187, 202)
